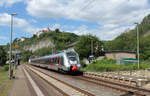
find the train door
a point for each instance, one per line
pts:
(51, 63)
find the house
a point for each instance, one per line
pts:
(122, 56)
(115, 54)
(22, 39)
(42, 31)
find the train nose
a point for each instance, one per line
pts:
(74, 68)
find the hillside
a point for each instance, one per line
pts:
(128, 41)
(47, 42)
(54, 41)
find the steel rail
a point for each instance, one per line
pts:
(76, 88)
(114, 85)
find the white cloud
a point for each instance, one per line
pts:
(55, 26)
(33, 21)
(102, 11)
(18, 22)
(103, 33)
(82, 30)
(62, 27)
(4, 38)
(8, 2)
(4, 19)
(113, 16)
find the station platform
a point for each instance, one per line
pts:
(19, 84)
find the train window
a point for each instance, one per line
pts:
(40, 61)
(52, 60)
(44, 61)
(72, 56)
(55, 60)
(47, 61)
(61, 60)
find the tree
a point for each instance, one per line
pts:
(83, 47)
(3, 56)
(126, 41)
(57, 30)
(43, 51)
(25, 55)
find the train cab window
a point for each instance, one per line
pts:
(72, 56)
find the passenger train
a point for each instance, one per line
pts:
(66, 60)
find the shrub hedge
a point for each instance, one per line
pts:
(110, 65)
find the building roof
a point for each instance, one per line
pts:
(120, 51)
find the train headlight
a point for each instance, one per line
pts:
(79, 65)
(72, 62)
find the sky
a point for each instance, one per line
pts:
(105, 19)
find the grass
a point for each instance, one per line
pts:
(4, 82)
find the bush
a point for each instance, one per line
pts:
(6, 68)
(82, 63)
(109, 65)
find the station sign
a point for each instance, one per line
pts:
(16, 46)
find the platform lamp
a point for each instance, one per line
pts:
(10, 51)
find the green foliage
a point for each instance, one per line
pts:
(83, 47)
(6, 67)
(126, 41)
(109, 65)
(57, 30)
(43, 51)
(82, 63)
(3, 56)
(59, 39)
(25, 55)
(144, 48)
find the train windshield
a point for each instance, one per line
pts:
(72, 56)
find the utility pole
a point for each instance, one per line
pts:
(91, 46)
(138, 53)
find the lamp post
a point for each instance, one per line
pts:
(138, 53)
(10, 51)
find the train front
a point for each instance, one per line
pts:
(73, 60)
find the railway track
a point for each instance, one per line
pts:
(117, 86)
(61, 86)
(114, 85)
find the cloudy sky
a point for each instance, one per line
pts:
(104, 18)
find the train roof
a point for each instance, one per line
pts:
(54, 54)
